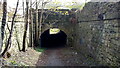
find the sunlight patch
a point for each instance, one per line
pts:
(54, 31)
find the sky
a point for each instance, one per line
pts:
(12, 3)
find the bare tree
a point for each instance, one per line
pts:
(1, 5)
(30, 26)
(26, 26)
(36, 26)
(0, 43)
(17, 40)
(23, 8)
(40, 20)
(4, 18)
(12, 24)
(41, 16)
(3, 23)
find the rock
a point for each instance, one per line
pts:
(76, 53)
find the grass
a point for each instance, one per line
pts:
(40, 49)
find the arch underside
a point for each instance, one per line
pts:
(48, 40)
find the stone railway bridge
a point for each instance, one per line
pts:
(94, 32)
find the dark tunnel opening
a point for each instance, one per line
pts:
(48, 40)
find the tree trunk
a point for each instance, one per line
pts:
(23, 9)
(30, 26)
(0, 43)
(9, 38)
(36, 26)
(3, 23)
(0, 5)
(4, 18)
(26, 26)
(40, 22)
(17, 40)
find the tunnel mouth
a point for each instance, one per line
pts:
(57, 40)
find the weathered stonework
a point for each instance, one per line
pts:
(97, 33)
(99, 38)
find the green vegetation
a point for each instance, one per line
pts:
(13, 62)
(40, 49)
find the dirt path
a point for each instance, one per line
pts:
(50, 58)
(63, 57)
(53, 59)
(66, 56)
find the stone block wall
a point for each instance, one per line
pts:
(96, 37)
(97, 33)
(65, 26)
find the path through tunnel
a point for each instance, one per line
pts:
(48, 40)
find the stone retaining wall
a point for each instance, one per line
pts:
(99, 38)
